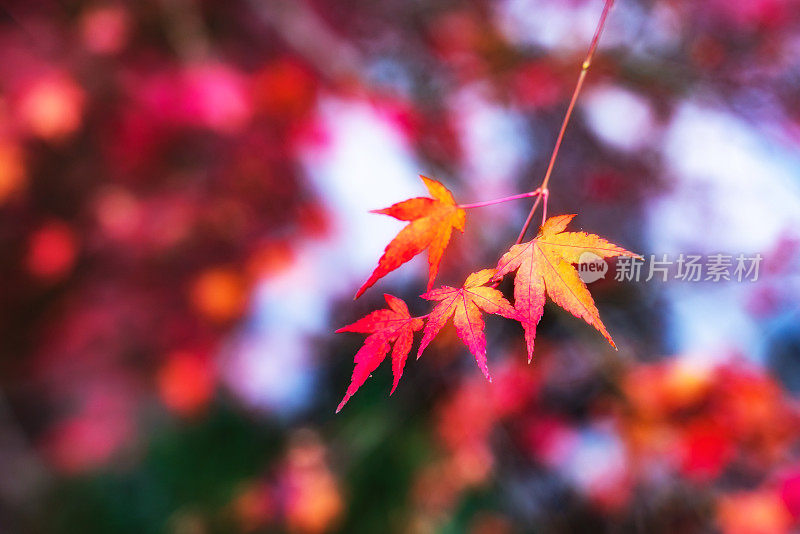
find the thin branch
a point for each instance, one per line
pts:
(587, 62)
(500, 200)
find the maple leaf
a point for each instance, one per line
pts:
(386, 326)
(465, 306)
(431, 222)
(544, 265)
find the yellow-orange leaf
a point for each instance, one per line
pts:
(431, 222)
(465, 306)
(544, 266)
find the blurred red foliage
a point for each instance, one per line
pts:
(186, 382)
(155, 176)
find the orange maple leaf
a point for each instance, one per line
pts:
(386, 326)
(465, 306)
(431, 222)
(544, 265)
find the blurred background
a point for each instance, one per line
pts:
(184, 196)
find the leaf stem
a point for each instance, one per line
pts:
(587, 62)
(500, 200)
(544, 205)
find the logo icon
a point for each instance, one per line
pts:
(591, 267)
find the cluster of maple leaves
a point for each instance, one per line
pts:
(544, 266)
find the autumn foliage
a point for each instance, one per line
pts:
(431, 221)
(464, 306)
(543, 265)
(186, 191)
(393, 325)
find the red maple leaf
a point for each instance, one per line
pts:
(465, 306)
(431, 222)
(386, 326)
(544, 266)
